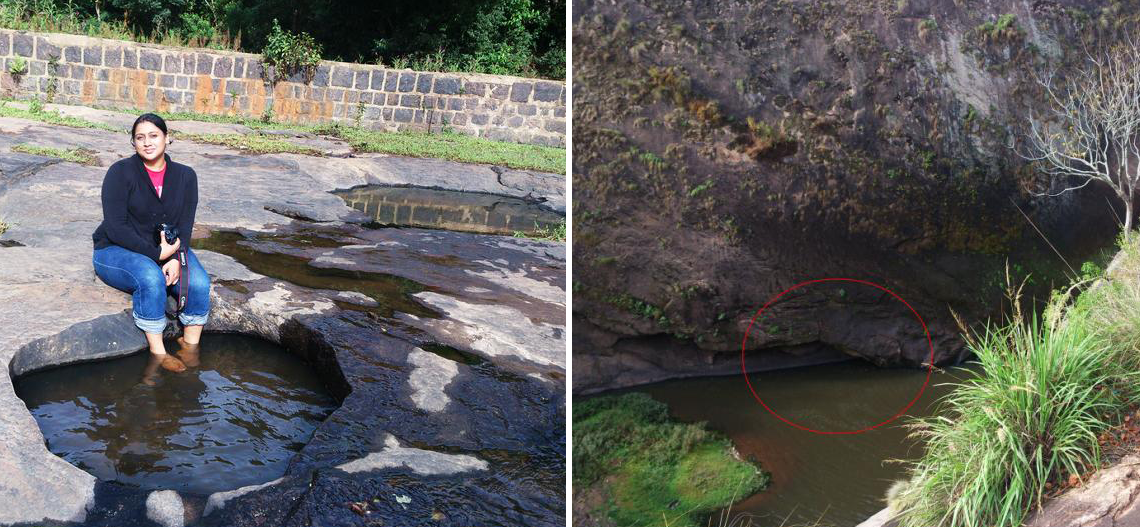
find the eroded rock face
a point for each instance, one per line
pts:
(725, 152)
(435, 425)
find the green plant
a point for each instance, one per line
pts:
(267, 115)
(18, 66)
(76, 155)
(53, 79)
(290, 53)
(1030, 417)
(36, 105)
(697, 190)
(651, 465)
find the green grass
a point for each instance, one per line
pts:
(453, 146)
(654, 470)
(1046, 390)
(252, 143)
(555, 233)
(50, 117)
(75, 155)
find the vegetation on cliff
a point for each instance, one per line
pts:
(651, 468)
(1030, 419)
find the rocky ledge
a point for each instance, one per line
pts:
(471, 436)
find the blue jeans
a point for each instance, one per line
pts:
(138, 275)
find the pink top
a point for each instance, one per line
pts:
(156, 179)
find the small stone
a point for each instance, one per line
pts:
(437, 516)
(1074, 480)
(165, 508)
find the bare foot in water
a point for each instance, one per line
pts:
(171, 363)
(188, 353)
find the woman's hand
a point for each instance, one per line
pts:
(167, 249)
(171, 270)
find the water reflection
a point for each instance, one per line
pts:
(235, 420)
(451, 210)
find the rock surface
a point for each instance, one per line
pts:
(165, 508)
(441, 417)
(727, 151)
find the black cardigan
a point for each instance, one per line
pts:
(132, 211)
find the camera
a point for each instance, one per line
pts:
(170, 230)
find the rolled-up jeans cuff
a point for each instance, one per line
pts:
(193, 320)
(157, 325)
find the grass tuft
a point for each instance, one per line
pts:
(75, 155)
(1031, 416)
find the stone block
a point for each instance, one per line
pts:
(182, 82)
(407, 82)
(351, 96)
(188, 63)
(474, 88)
(429, 101)
(527, 109)
(500, 91)
(171, 64)
(555, 125)
(366, 97)
(377, 80)
(371, 113)
(105, 90)
(419, 116)
(5, 43)
(149, 60)
(113, 57)
(560, 111)
(547, 91)
(447, 85)
(386, 113)
(334, 94)
(73, 54)
(317, 94)
(205, 64)
(459, 119)
(341, 76)
(71, 87)
(254, 69)
(166, 81)
(93, 55)
(36, 67)
(172, 95)
(479, 119)
(363, 79)
(46, 50)
(223, 67)
(393, 99)
(520, 91)
(321, 75)
(410, 101)
(391, 78)
(402, 115)
(455, 104)
(77, 71)
(423, 83)
(130, 58)
(239, 67)
(233, 86)
(23, 44)
(470, 103)
(102, 74)
(515, 122)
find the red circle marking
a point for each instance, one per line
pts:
(744, 347)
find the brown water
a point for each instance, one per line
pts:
(834, 479)
(451, 210)
(233, 421)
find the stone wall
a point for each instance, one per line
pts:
(74, 69)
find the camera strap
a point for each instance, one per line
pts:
(183, 262)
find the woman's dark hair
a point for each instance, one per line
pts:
(150, 118)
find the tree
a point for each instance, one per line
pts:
(1093, 130)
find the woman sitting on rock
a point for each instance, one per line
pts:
(143, 194)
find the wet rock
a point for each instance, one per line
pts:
(419, 461)
(165, 508)
(1107, 499)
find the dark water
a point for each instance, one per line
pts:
(233, 421)
(451, 210)
(835, 479)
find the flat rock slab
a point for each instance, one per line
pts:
(442, 420)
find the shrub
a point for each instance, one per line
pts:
(290, 53)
